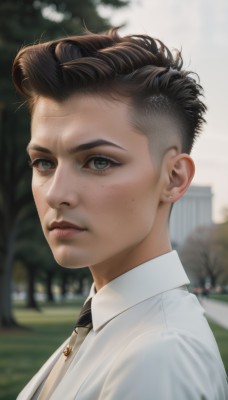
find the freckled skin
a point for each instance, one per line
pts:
(122, 207)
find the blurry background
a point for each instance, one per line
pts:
(34, 291)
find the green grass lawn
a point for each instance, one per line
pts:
(23, 352)
(220, 297)
(221, 336)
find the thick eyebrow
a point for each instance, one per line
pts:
(36, 147)
(76, 149)
(91, 145)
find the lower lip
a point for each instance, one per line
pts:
(66, 232)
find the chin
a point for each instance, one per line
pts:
(73, 266)
(66, 260)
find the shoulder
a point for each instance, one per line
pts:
(171, 366)
(169, 350)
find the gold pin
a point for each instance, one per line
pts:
(67, 350)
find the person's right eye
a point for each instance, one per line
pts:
(42, 165)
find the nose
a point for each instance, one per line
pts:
(62, 191)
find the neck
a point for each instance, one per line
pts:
(154, 245)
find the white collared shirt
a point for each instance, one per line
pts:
(150, 341)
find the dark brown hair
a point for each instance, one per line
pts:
(137, 66)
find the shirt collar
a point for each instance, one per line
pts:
(140, 283)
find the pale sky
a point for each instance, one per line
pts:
(200, 28)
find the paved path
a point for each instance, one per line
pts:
(217, 311)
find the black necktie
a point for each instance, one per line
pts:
(85, 317)
(84, 323)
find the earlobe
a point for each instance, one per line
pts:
(180, 171)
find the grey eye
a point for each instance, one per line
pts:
(42, 165)
(100, 163)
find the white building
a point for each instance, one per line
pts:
(192, 210)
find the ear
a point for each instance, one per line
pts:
(180, 171)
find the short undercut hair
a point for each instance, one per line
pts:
(136, 66)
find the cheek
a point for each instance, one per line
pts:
(130, 199)
(39, 199)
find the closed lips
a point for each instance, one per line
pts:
(64, 225)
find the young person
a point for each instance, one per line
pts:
(113, 122)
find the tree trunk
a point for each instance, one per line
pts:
(31, 301)
(213, 279)
(63, 285)
(6, 317)
(80, 281)
(49, 278)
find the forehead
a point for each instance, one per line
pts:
(81, 108)
(77, 104)
(86, 117)
(92, 117)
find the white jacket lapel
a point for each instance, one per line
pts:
(34, 383)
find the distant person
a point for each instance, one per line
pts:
(113, 122)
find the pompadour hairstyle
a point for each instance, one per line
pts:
(137, 66)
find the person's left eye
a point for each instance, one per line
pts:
(99, 163)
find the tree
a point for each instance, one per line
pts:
(202, 257)
(33, 252)
(221, 238)
(23, 22)
(15, 203)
